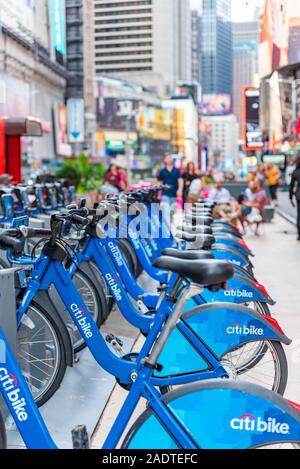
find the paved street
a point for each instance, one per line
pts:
(277, 265)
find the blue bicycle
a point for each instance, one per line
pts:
(198, 335)
(210, 415)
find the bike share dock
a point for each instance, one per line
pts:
(84, 391)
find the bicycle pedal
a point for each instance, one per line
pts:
(80, 437)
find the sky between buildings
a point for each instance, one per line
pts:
(242, 10)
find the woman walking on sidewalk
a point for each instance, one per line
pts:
(295, 192)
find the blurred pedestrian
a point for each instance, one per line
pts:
(273, 177)
(170, 176)
(295, 192)
(261, 172)
(122, 177)
(227, 208)
(112, 177)
(189, 175)
(260, 200)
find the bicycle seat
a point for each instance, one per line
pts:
(205, 241)
(203, 272)
(188, 255)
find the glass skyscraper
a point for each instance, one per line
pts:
(217, 49)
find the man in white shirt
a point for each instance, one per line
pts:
(219, 194)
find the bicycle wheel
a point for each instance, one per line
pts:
(109, 298)
(217, 426)
(41, 353)
(3, 441)
(94, 303)
(270, 370)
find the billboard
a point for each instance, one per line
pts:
(279, 35)
(251, 128)
(58, 29)
(216, 104)
(60, 115)
(154, 123)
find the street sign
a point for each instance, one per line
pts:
(76, 120)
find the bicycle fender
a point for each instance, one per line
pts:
(239, 290)
(44, 299)
(228, 253)
(225, 326)
(222, 327)
(241, 415)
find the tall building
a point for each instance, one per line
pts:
(80, 62)
(32, 68)
(145, 41)
(224, 136)
(217, 57)
(245, 62)
(196, 46)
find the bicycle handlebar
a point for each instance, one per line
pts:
(8, 242)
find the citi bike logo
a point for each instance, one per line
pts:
(82, 320)
(116, 253)
(235, 293)
(10, 387)
(114, 287)
(239, 329)
(249, 423)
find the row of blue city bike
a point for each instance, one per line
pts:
(211, 371)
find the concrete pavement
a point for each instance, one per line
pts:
(277, 266)
(285, 207)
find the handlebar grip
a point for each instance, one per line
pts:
(7, 242)
(28, 232)
(93, 212)
(78, 220)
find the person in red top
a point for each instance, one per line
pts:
(112, 176)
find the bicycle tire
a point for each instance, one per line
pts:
(130, 255)
(108, 297)
(54, 384)
(3, 264)
(3, 439)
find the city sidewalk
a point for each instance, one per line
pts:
(277, 267)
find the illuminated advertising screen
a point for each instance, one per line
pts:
(252, 132)
(216, 104)
(58, 29)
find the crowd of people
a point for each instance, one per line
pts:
(189, 185)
